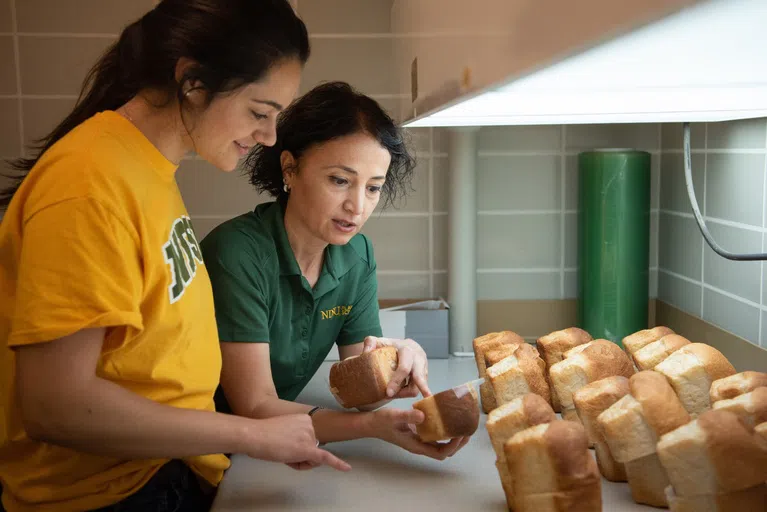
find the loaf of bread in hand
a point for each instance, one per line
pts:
(632, 427)
(713, 454)
(590, 401)
(652, 354)
(639, 339)
(448, 414)
(362, 380)
(754, 498)
(482, 345)
(508, 419)
(736, 385)
(584, 364)
(552, 469)
(552, 348)
(691, 370)
(750, 407)
(518, 374)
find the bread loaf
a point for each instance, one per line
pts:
(362, 380)
(508, 419)
(691, 370)
(497, 355)
(761, 430)
(736, 385)
(750, 407)
(449, 414)
(515, 416)
(553, 470)
(483, 344)
(639, 339)
(585, 364)
(590, 401)
(754, 498)
(716, 453)
(649, 356)
(552, 348)
(516, 375)
(632, 427)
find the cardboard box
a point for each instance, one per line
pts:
(422, 320)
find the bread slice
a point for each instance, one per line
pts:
(753, 498)
(590, 401)
(362, 380)
(649, 356)
(713, 454)
(595, 361)
(552, 348)
(639, 339)
(483, 344)
(633, 424)
(515, 416)
(449, 414)
(691, 370)
(503, 474)
(648, 481)
(517, 375)
(552, 469)
(750, 407)
(496, 355)
(736, 385)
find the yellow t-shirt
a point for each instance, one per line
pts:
(98, 236)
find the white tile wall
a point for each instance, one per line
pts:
(730, 178)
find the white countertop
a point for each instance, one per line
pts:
(384, 477)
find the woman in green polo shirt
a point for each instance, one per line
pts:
(295, 276)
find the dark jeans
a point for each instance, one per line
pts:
(174, 488)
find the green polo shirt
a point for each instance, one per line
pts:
(261, 296)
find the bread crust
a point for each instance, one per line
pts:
(649, 356)
(449, 414)
(750, 407)
(639, 339)
(362, 380)
(754, 498)
(552, 348)
(736, 385)
(662, 409)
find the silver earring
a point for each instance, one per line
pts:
(286, 188)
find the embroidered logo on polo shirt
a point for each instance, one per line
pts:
(336, 311)
(182, 253)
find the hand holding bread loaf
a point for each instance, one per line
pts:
(410, 376)
(449, 414)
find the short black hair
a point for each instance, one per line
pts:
(329, 111)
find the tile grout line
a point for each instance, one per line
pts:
(657, 215)
(431, 212)
(17, 57)
(710, 287)
(764, 224)
(563, 207)
(703, 213)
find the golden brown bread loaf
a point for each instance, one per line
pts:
(639, 339)
(750, 407)
(649, 356)
(483, 344)
(362, 380)
(584, 364)
(746, 500)
(691, 371)
(590, 401)
(497, 355)
(632, 427)
(716, 453)
(449, 414)
(552, 469)
(518, 374)
(508, 419)
(736, 385)
(552, 348)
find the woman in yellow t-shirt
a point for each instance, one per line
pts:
(109, 355)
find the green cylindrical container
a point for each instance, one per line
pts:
(614, 242)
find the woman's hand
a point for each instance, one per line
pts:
(397, 426)
(290, 439)
(412, 370)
